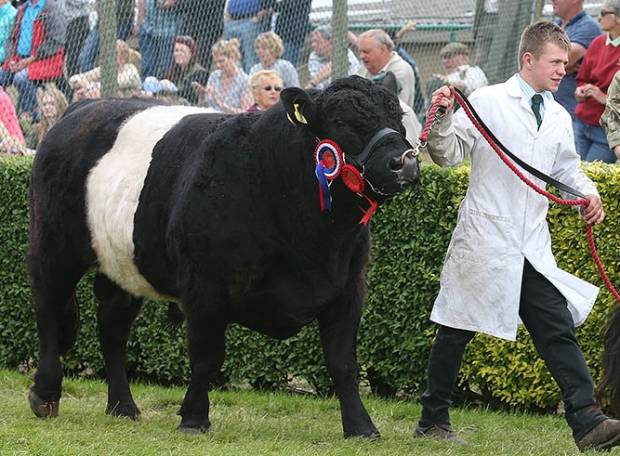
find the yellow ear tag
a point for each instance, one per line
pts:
(289, 119)
(298, 115)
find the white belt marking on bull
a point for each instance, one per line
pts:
(113, 190)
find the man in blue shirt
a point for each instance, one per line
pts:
(581, 30)
(7, 19)
(24, 42)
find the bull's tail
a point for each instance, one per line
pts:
(609, 387)
(70, 325)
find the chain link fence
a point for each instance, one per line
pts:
(236, 55)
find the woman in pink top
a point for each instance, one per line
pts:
(11, 136)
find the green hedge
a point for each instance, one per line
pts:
(410, 236)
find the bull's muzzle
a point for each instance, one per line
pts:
(407, 169)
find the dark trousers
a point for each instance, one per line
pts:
(292, 27)
(204, 22)
(77, 31)
(544, 313)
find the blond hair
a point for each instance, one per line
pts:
(537, 35)
(270, 41)
(255, 79)
(227, 48)
(60, 102)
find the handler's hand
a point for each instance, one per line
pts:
(445, 97)
(594, 213)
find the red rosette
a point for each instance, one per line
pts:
(330, 155)
(352, 178)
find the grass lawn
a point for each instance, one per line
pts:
(248, 423)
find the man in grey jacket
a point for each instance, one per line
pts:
(377, 53)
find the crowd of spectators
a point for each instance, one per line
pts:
(173, 50)
(237, 55)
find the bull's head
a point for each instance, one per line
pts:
(365, 120)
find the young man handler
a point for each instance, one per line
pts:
(499, 266)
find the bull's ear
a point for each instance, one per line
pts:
(389, 82)
(300, 109)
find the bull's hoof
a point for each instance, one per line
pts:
(41, 408)
(373, 436)
(194, 427)
(127, 410)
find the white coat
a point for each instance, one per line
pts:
(501, 221)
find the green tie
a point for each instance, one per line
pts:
(536, 102)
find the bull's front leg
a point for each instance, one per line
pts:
(338, 328)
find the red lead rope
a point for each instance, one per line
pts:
(431, 120)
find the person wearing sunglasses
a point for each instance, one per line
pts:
(266, 86)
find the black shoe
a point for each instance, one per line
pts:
(438, 433)
(603, 437)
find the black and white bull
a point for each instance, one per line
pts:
(218, 213)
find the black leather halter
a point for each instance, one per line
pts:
(362, 158)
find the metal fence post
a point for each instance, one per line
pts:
(514, 16)
(537, 10)
(107, 50)
(340, 28)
